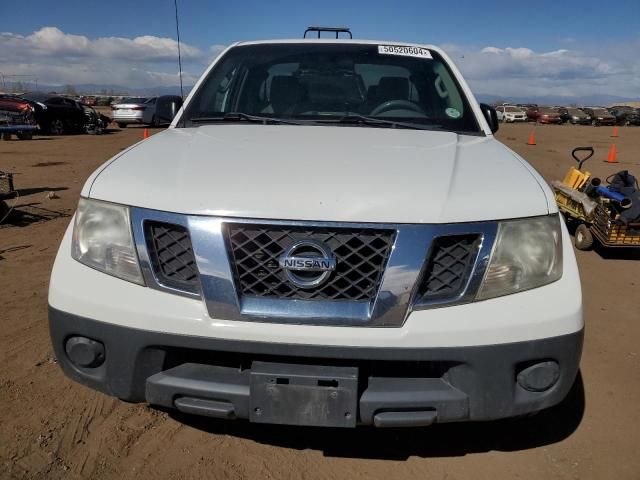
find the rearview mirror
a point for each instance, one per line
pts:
(490, 116)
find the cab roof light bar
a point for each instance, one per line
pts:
(336, 30)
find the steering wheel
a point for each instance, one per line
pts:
(396, 105)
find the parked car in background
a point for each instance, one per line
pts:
(16, 117)
(95, 122)
(161, 110)
(526, 106)
(573, 115)
(103, 101)
(88, 100)
(544, 115)
(599, 116)
(129, 110)
(625, 115)
(57, 115)
(510, 113)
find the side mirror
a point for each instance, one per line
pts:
(173, 109)
(490, 116)
(167, 108)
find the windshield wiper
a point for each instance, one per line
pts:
(366, 120)
(241, 116)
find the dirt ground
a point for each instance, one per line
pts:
(53, 428)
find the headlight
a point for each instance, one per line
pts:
(526, 254)
(102, 239)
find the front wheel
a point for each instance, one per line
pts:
(4, 210)
(122, 125)
(594, 123)
(24, 135)
(584, 237)
(56, 127)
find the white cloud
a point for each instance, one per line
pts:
(522, 71)
(56, 57)
(51, 41)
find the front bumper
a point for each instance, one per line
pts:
(395, 386)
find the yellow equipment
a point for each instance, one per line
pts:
(592, 216)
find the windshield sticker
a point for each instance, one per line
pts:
(404, 51)
(452, 112)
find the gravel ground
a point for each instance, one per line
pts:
(53, 428)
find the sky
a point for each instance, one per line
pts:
(560, 47)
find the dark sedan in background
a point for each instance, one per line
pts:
(599, 116)
(544, 115)
(57, 115)
(625, 115)
(573, 115)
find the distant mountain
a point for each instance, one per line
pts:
(596, 99)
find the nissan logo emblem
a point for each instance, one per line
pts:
(307, 263)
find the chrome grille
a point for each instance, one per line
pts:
(172, 255)
(449, 266)
(361, 256)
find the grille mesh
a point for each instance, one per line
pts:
(361, 255)
(449, 266)
(172, 255)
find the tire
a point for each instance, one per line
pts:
(6, 136)
(4, 210)
(122, 125)
(25, 135)
(583, 237)
(56, 127)
(154, 122)
(594, 123)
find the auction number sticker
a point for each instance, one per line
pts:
(404, 51)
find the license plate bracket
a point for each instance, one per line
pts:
(312, 395)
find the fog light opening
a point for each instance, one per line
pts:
(540, 376)
(85, 352)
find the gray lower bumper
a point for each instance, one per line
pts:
(267, 382)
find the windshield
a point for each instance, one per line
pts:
(600, 111)
(36, 97)
(324, 83)
(512, 109)
(547, 110)
(575, 111)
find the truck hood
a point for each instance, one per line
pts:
(323, 173)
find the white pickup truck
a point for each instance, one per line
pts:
(328, 234)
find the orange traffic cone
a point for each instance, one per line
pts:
(145, 134)
(531, 139)
(615, 132)
(612, 154)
